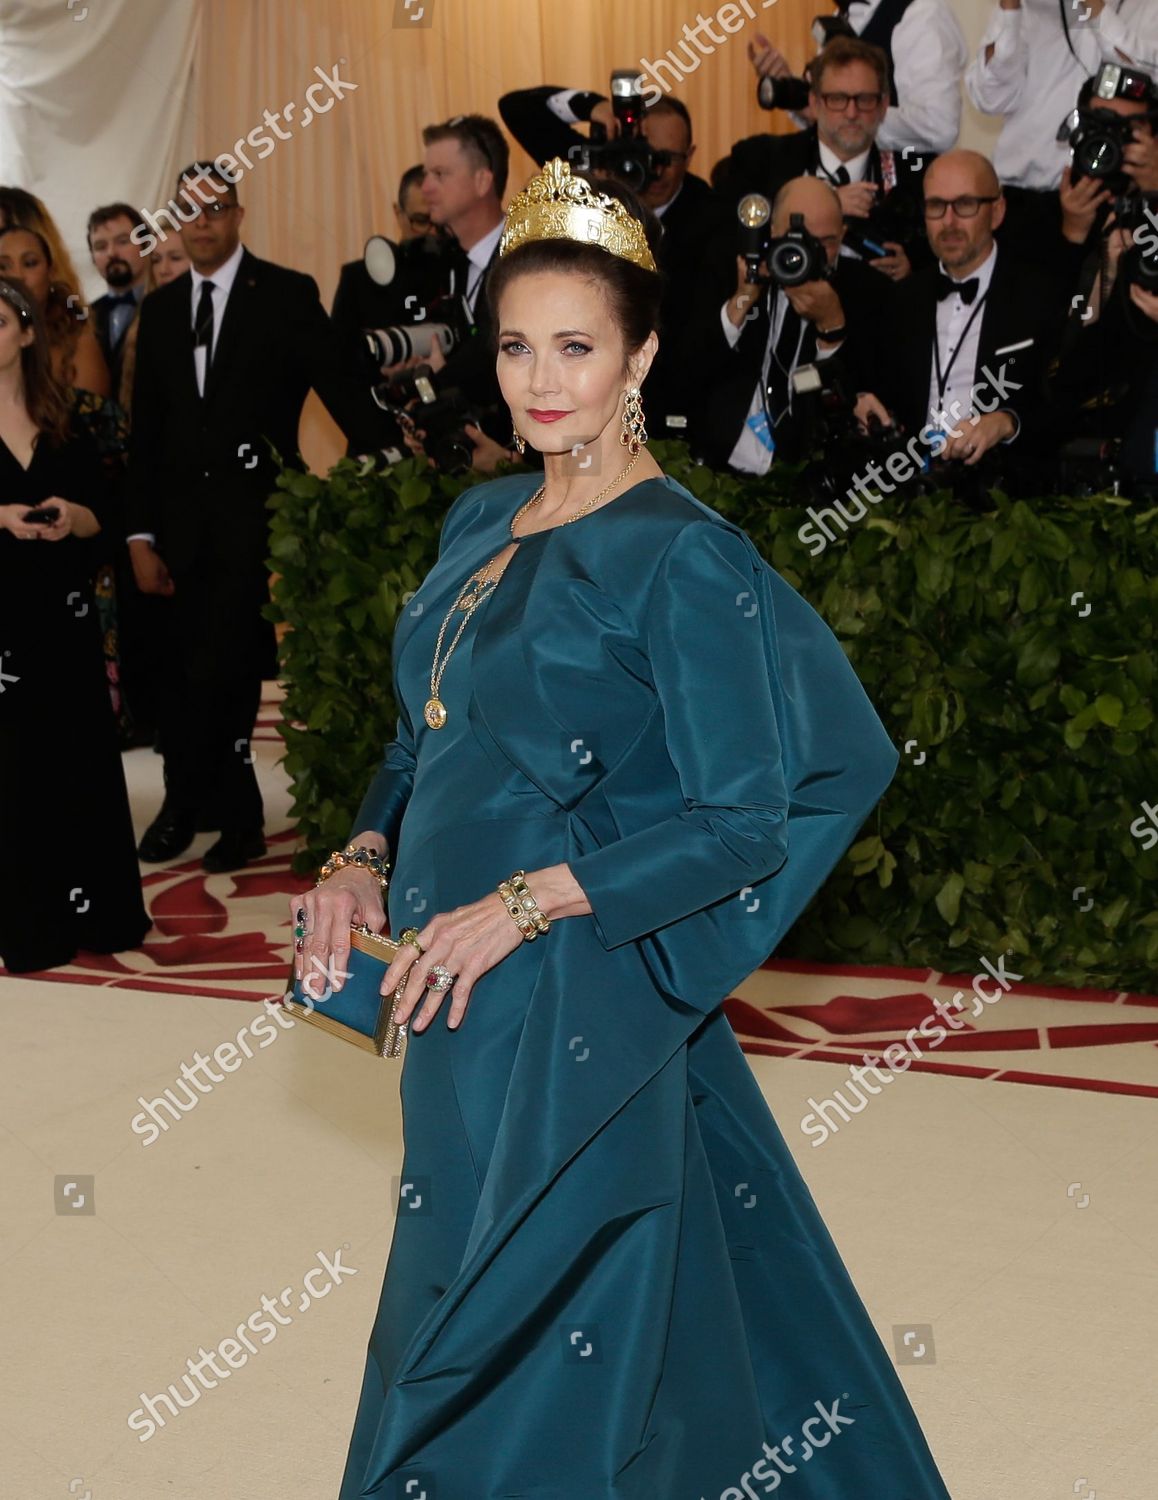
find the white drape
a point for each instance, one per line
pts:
(95, 105)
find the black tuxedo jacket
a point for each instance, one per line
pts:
(1020, 326)
(114, 357)
(728, 375)
(201, 468)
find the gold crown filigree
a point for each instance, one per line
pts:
(556, 206)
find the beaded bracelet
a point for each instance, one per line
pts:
(522, 906)
(360, 858)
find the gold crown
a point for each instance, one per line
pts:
(556, 206)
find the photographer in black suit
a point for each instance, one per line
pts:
(966, 360)
(226, 356)
(880, 191)
(750, 349)
(542, 120)
(360, 302)
(465, 167)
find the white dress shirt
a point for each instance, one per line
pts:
(222, 279)
(929, 57)
(856, 167)
(959, 325)
(479, 256)
(1033, 78)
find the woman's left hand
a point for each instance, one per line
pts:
(63, 523)
(468, 941)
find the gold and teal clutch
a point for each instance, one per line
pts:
(357, 1012)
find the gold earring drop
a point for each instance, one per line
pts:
(519, 442)
(634, 433)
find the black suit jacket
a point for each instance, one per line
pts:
(114, 355)
(200, 469)
(1020, 325)
(727, 375)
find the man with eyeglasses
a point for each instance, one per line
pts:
(964, 366)
(880, 190)
(226, 356)
(925, 52)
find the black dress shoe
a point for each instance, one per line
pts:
(168, 835)
(233, 850)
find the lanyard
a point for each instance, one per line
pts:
(943, 376)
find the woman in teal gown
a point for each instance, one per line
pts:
(608, 1280)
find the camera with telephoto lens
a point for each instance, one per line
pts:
(628, 158)
(441, 415)
(425, 266)
(792, 93)
(1098, 138)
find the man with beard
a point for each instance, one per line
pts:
(124, 268)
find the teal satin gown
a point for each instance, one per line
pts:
(608, 1280)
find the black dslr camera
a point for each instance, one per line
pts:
(792, 93)
(1098, 137)
(792, 258)
(628, 157)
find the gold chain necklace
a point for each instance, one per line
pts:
(479, 586)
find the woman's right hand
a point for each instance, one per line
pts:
(348, 896)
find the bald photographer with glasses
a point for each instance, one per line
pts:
(965, 368)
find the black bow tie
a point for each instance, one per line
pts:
(966, 290)
(121, 299)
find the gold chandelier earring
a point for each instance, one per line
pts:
(518, 442)
(634, 433)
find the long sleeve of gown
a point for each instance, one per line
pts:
(780, 757)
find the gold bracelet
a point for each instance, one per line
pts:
(522, 906)
(358, 857)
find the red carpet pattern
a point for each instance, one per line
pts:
(227, 936)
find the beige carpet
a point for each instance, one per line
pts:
(1009, 1231)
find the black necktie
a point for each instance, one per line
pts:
(203, 327)
(840, 177)
(967, 290)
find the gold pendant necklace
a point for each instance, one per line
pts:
(483, 585)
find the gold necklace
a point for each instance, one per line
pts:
(483, 585)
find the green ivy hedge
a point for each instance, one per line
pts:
(1022, 711)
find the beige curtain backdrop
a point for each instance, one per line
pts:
(314, 199)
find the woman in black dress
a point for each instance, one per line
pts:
(69, 877)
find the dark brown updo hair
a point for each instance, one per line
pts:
(633, 294)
